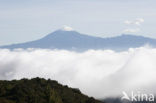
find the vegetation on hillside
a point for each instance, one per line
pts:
(39, 90)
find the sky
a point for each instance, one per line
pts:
(26, 20)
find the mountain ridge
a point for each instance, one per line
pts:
(73, 40)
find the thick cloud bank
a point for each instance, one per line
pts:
(98, 73)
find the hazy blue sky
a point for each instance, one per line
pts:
(25, 20)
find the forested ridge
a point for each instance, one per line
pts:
(39, 90)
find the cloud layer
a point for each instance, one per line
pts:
(98, 73)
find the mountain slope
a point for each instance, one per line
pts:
(72, 40)
(39, 90)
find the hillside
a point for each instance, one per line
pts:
(39, 90)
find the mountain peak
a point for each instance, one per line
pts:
(67, 28)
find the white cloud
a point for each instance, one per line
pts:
(67, 28)
(137, 21)
(131, 30)
(98, 73)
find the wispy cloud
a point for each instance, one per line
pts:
(131, 30)
(134, 25)
(137, 21)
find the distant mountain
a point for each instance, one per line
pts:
(72, 40)
(38, 90)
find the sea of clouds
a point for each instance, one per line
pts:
(98, 73)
